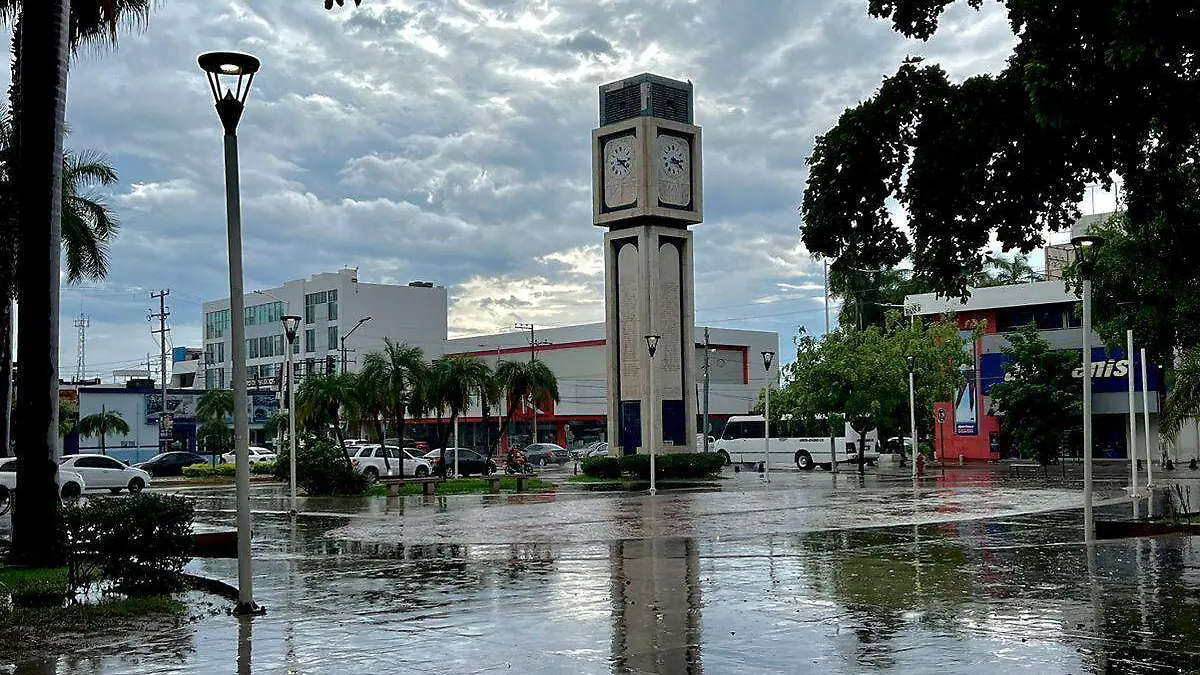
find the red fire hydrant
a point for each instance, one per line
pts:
(920, 464)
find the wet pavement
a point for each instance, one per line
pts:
(974, 572)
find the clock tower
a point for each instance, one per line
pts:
(647, 191)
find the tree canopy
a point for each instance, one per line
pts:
(1037, 394)
(1091, 91)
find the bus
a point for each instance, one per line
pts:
(792, 444)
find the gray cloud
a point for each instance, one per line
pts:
(448, 140)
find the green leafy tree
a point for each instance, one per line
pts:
(869, 295)
(519, 381)
(319, 401)
(102, 424)
(68, 417)
(1006, 270)
(1183, 397)
(863, 375)
(1010, 154)
(276, 426)
(1037, 395)
(396, 373)
(215, 405)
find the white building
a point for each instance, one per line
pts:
(332, 305)
(576, 354)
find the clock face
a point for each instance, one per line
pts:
(674, 171)
(620, 172)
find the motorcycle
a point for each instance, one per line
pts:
(516, 464)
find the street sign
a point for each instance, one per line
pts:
(941, 415)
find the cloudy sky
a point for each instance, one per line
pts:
(447, 140)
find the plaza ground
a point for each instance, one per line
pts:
(978, 571)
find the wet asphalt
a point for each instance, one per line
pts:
(977, 571)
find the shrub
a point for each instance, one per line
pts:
(321, 470)
(602, 467)
(210, 471)
(263, 468)
(140, 543)
(675, 465)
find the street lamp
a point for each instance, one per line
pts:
(912, 410)
(235, 73)
(652, 398)
(343, 339)
(291, 324)
(1086, 249)
(767, 357)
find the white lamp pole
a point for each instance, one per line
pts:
(1085, 248)
(767, 357)
(912, 412)
(235, 72)
(652, 401)
(291, 324)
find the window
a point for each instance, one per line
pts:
(295, 346)
(332, 337)
(98, 463)
(737, 430)
(310, 340)
(216, 323)
(380, 452)
(311, 300)
(333, 305)
(310, 366)
(9, 466)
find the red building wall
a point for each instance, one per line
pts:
(949, 445)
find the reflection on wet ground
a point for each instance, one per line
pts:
(745, 580)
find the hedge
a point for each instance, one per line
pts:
(140, 543)
(675, 465)
(210, 471)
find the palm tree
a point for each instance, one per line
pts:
(41, 38)
(102, 424)
(215, 405)
(1183, 397)
(215, 437)
(531, 381)
(1004, 271)
(453, 382)
(319, 400)
(396, 373)
(490, 394)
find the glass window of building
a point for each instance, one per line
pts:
(332, 337)
(332, 297)
(310, 340)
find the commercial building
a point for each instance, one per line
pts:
(332, 306)
(576, 354)
(966, 428)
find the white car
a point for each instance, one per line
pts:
(375, 461)
(103, 472)
(70, 483)
(257, 455)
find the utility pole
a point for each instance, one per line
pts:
(532, 402)
(707, 363)
(82, 324)
(826, 296)
(164, 418)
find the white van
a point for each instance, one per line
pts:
(791, 444)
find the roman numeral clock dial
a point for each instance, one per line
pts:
(674, 171)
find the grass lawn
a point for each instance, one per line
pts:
(627, 483)
(467, 486)
(33, 608)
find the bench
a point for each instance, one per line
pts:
(494, 481)
(395, 484)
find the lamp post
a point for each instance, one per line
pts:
(348, 334)
(767, 357)
(1086, 247)
(652, 401)
(912, 411)
(291, 324)
(235, 72)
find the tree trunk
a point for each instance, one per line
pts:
(387, 461)
(6, 370)
(341, 440)
(862, 441)
(487, 430)
(8, 252)
(37, 529)
(442, 434)
(400, 413)
(103, 449)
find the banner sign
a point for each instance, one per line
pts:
(1109, 371)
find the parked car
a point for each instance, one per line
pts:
(541, 454)
(583, 450)
(469, 461)
(70, 483)
(599, 450)
(103, 472)
(375, 461)
(257, 455)
(170, 463)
